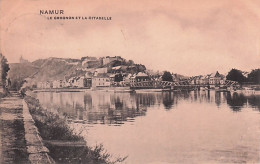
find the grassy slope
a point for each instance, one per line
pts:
(53, 69)
(21, 71)
(45, 69)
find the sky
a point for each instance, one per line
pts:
(186, 37)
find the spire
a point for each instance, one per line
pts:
(22, 60)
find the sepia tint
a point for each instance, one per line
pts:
(136, 82)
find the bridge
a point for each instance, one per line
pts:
(183, 84)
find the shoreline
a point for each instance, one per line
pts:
(63, 144)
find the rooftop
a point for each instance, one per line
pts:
(141, 74)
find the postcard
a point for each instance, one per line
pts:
(136, 82)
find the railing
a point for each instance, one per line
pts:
(184, 83)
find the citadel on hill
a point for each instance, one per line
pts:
(103, 72)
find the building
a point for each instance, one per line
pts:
(59, 84)
(112, 78)
(88, 59)
(116, 69)
(126, 79)
(90, 62)
(78, 82)
(198, 79)
(101, 70)
(140, 77)
(72, 82)
(45, 85)
(22, 60)
(101, 80)
(106, 60)
(205, 79)
(193, 80)
(88, 81)
(133, 79)
(216, 79)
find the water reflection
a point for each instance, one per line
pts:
(116, 108)
(236, 101)
(179, 127)
(168, 100)
(254, 101)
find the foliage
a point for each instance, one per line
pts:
(130, 63)
(116, 63)
(118, 77)
(140, 67)
(17, 84)
(167, 76)
(51, 126)
(254, 76)
(236, 75)
(5, 68)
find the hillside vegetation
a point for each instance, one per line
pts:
(61, 68)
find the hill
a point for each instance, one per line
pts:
(19, 71)
(63, 68)
(55, 68)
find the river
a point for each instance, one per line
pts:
(184, 127)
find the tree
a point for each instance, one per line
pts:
(116, 63)
(140, 67)
(118, 77)
(130, 63)
(254, 76)
(5, 68)
(236, 75)
(167, 76)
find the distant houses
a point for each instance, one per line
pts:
(100, 77)
(101, 80)
(58, 83)
(74, 82)
(45, 85)
(217, 79)
(213, 79)
(133, 79)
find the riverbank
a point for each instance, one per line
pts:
(107, 89)
(62, 90)
(116, 89)
(20, 142)
(64, 145)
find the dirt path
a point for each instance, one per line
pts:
(12, 133)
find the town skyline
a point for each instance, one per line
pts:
(24, 60)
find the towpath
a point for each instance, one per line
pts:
(20, 141)
(12, 133)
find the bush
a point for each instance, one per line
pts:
(51, 126)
